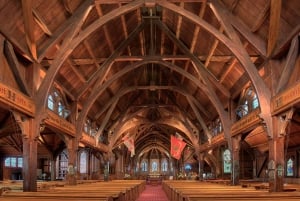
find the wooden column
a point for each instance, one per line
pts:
(72, 152)
(236, 145)
(201, 165)
(1, 167)
(277, 151)
(29, 131)
(52, 168)
(276, 164)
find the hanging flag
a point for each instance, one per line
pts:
(177, 146)
(129, 143)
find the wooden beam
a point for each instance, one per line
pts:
(200, 119)
(197, 29)
(89, 61)
(105, 29)
(29, 27)
(75, 70)
(14, 65)
(200, 69)
(100, 74)
(274, 26)
(212, 49)
(81, 15)
(125, 30)
(91, 53)
(289, 65)
(253, 39)
(230, 66)
(223, 15)
(284, 45)
(73, 20)
(105, 120)
(16, 43)
(262, 16)
(41, 22)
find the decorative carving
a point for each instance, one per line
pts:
(284, 121)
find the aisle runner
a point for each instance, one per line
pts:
(153, 193)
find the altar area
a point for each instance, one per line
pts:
(154, 178)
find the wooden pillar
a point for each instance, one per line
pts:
(1, 167)
(52, 168)
(236, 145)
(29, 172)
(201, 165)
(277, 151)
(276, 164)
(72, 152)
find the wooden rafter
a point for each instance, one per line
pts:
(93, 60)
(105, 29)
(41, 22)
(204, 73)
(29, 27)
(285, 44)
(14, 65)
(125, 30)
(212, 50)
(91, 53)
(75, 70)
(56, 36)
(274, 26)
(263, 14)
(233, 62)
(289, 65)
(197, 28)
(256, 42)
(101, 72)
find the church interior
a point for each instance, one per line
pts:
(193, 97)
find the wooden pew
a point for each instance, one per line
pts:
(199, 191)
(125, 190)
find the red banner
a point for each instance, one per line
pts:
(129, 143)
(177, 146)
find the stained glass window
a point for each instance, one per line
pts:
(144, 166)
(83, 162)
(227, 161)
(290, 167)
(164, 165)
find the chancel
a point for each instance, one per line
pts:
(124, 100)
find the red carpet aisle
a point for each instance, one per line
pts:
(153, 193)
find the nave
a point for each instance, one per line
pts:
(138, 190)
(149, 91)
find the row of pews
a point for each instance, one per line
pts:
(116, 190)
(185, 190)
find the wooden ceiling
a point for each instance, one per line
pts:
(147, 67)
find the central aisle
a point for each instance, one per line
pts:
(153, 193)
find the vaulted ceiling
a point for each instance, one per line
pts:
(149, 68)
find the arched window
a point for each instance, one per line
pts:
(83, 162)
(247, 103)
(290, 167)
(56, 104)
(154, 167)
(50, 102)
(215, 127)
(62, 164)
(164, 165)
(187, 167)
(144, 166)
(227, 161)
(87, 126)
